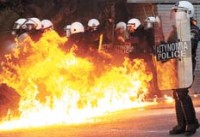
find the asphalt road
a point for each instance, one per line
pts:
(148, 122)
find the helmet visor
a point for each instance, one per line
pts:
(30, 26)
(16, 26)
(176, 9)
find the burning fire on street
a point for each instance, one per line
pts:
(59, 87)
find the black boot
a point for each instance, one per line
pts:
(177, 130)
(190, 129)
(180, 128)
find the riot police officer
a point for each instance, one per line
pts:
(120, 33)
(33, 26)
(141, 40)
(77, 39)
(185, 112)
(19, 29)
(93, 33)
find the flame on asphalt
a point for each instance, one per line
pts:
(59, 87)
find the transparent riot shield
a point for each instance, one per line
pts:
(173, 50)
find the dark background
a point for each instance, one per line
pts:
(61, 12)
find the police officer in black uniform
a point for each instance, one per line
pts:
(77, 40)
(33, 26)
(141, 39)
(185, 112)
(93, 32)
(137, 38)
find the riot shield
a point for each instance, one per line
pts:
(173, 50)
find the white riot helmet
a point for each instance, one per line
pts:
(151, 19)
(134, 22)
(46, 24)
(77, 27)
(67, 29)
(121, 25)
(149, 22)
(18, 23)
(33, 23)
(93, 23)
(185, 5)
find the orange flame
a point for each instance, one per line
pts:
(167, 74)
(169, 99)
(60, 88)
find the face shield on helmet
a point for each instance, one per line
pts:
(77, 27)
(149, 22)
(18, 26)
(93, 24)
(184, 6)
(46, 24)
(33, 24)
(133, 24)
(67, 30)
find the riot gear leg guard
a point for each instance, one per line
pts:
(188, 111)
(180, 127)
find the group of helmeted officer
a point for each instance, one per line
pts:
(141, 38)
(33, 27)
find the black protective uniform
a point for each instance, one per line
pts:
(142, 41)
(185, 112)
(80, 40)
(93, 37)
